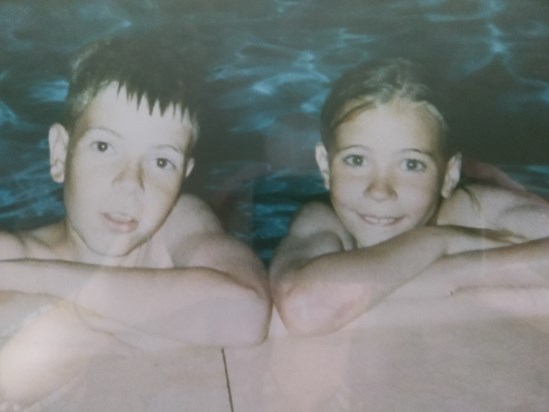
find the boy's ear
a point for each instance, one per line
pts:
(58, 138)
(452, 176)
(189, 166)
(323, 163)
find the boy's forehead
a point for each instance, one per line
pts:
(115, 94)
(113, 107)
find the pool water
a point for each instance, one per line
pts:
(268, 65)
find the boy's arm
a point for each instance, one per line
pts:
(319, 285)
(194, 305)
(219, 298)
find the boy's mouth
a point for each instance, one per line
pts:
(379, 220)
(120, 222)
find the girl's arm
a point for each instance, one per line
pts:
(320, 283)
(523, 214)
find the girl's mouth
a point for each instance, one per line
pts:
(379, 220)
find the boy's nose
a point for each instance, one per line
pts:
(380, 188)
(129, 179)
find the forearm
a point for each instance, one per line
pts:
(195, 305)
(331, 290)
(528, 258)
(521, 265)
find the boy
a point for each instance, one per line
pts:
(132, 256)
(398, 208)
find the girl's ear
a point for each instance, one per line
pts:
(58, 138)
(452, 176)
(323, 164)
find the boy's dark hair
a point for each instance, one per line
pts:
(370, 85)
(145, 65)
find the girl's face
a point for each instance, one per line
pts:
(387, 171)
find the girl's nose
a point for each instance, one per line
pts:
(380, 188)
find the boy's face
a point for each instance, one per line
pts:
(122, 170)
(387, 171)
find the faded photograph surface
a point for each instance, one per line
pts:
(274, 205)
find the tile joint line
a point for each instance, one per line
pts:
(227, 379)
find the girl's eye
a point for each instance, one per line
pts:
(164, 163)
(354, 160)
(413, 165)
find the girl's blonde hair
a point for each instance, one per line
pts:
(370, 85)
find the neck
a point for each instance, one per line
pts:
(72, 247)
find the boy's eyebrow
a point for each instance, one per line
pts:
(119, 136)
(170, 147)
(420, 151)
(101, 129)
(354, 146)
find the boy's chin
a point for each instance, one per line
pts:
(117, 253)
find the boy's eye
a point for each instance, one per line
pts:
(164, 163)
(354, 160)
(413, 165)
(101, 146)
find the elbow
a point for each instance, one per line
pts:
(251, 315)
(306, 314)
(261, 308)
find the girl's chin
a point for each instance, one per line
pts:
(367, 241)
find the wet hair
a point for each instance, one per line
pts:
(373, 84)
(146, 66)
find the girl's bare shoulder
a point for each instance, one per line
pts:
(316, 217)
(485, 206)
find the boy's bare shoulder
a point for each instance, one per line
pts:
(36, 243)
(12, 246)
(194, 235)
(192, 215)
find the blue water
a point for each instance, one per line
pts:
(268, 66)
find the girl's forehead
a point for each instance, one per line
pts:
(396, 122)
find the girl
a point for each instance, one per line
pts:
(397, 206)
